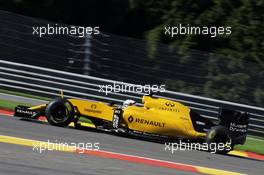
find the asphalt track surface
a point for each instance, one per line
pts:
(15, 159)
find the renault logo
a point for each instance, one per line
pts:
(130, 119)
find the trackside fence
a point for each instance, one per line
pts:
(48, 82)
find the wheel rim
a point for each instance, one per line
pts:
(59, 113)
(218, 138)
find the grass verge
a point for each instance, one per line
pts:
(10, 105)
(253, 144)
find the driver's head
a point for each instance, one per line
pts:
(129, 103)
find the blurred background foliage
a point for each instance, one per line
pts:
(233, 65)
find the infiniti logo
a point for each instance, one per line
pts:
(93, 106)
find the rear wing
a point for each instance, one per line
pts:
(236, 122)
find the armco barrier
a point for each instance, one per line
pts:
(48, 82)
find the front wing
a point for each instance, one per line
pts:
(27, 112)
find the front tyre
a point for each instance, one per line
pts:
(60, 112)
(218, 140)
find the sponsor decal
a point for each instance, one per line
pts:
(169, 106)
(184, 118)
(238, 127)
(150, 122)
(130, 119)
(169, 109)
(28, 112)
(116, 118)
(93, 109)
(93, 106)
(115, 121)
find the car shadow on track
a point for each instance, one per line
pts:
(132, 137)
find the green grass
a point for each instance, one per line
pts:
(10, 105)
(253, 144)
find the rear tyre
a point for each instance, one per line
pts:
(218, 140)
(60, 112)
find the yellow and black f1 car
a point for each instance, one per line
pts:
(157, 117)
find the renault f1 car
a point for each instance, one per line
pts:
(157, 117)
